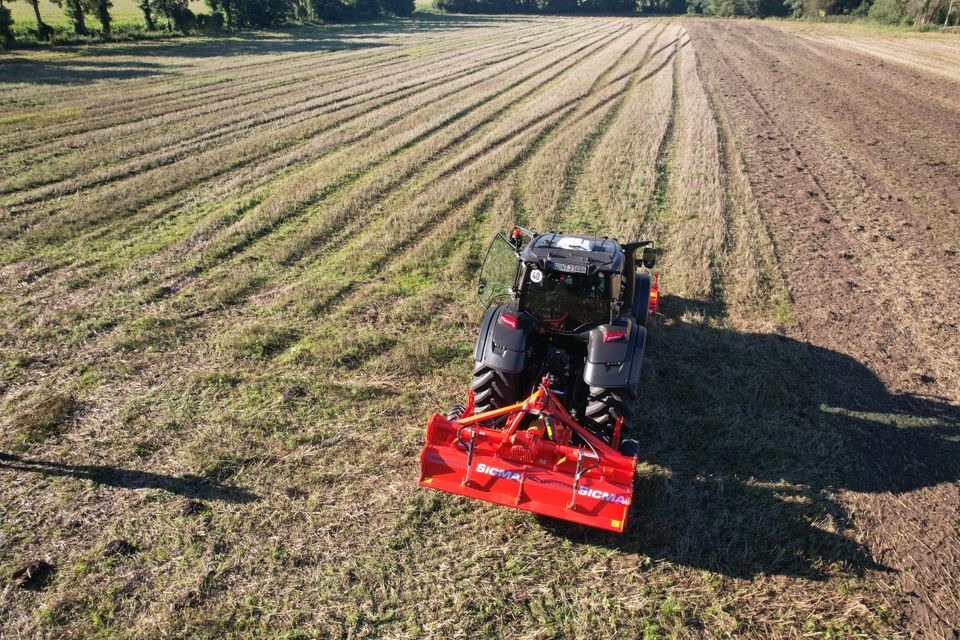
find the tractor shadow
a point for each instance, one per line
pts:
(747, 439)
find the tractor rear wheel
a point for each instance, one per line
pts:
(493, 389)
(606, 406)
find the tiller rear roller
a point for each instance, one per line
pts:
(541, 461)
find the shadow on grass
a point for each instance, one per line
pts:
(92, 62)
(295, 39)
(189, 486)
(77, 70)
(747, 441)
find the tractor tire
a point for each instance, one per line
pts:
(630, 448)
(456, 412)
(606, 406)
(494, 389)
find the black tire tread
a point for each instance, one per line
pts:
(493, 389)
(606, 406)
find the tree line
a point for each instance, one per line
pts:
(904, 12)
(175, 15)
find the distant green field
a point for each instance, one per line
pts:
(122, 11)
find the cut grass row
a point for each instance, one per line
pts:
(113, 310)
(306, 181)
(301, 104)
(236, 109)
(177, 95)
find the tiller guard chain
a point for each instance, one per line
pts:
(534, 467)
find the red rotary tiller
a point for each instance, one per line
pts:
(532, 456)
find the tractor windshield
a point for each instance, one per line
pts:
(499, 272)
(567, 300)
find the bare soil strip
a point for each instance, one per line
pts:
(866, 237)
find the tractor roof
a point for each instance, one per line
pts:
(599, 254)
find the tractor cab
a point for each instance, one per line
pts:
(568, 283)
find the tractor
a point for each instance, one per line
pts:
(556, 369)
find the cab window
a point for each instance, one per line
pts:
(567, 300)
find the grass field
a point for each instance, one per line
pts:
(237, 275)
(122, 11)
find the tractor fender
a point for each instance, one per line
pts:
(641, 299)
(500, 346)
(617, 364)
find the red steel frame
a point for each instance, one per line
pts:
(535, 468)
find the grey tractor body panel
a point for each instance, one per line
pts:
(641, 299)
(500, 347)
(615, 364)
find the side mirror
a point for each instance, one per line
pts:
(649, 257)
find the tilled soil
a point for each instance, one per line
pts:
(855, 164)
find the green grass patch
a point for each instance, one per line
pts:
(154, 333)
(259, 340)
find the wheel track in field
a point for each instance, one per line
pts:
(325, 106)
(651, 56)
(657, 202)
(290, 104)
